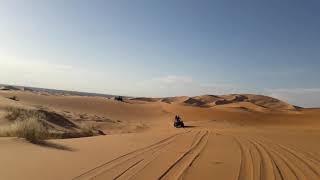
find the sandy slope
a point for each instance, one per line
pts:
(257, 139)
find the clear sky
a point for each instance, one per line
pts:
(164, 47)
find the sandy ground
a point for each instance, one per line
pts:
(225, 142)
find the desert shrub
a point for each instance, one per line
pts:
(34, 126)
(19, 114)
(27, 124)
(87, 130)
(31, 129)
(14, 98)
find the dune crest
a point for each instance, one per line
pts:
(249, 101)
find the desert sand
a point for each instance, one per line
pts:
(245, 137)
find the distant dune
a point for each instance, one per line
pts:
(8, 88)
(51, 91)
(179, 99)
(249, 101)
(199, 101)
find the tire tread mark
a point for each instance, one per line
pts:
(129, 153)
(121, 163)
(194, 159)
(311, 157)
(143, 167)
(295, 154)
(122, 173)
(302, 160)
(275, 167)
(243, 162)
(295, 171)
(298, 157)
(195, 138)
(182, 156)
(260, 164)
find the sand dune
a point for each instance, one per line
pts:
(250, 101)
(227, 137)
(179, 99)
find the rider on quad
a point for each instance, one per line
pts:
(178, 123)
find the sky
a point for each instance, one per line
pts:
(164, 47)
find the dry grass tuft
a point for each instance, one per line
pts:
(30, 128)
(19, 114)
(14, 98)
(87, 130)
(33, 126)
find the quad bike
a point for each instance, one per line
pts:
(178, 124)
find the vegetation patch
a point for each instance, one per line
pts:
(14, 98)
(38, 125)
(29, 128)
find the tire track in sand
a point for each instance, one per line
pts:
(308, 160)
(269, 168)
(181, 165)
(306, 168)
(92, 173)
(256, 162)
(246, 162)
(277, 160)
(287, 169)
(274, 164)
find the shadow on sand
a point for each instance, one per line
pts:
(190, 126)
(47, 144)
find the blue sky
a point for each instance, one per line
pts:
(164, 48)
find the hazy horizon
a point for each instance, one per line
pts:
(164, 48)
